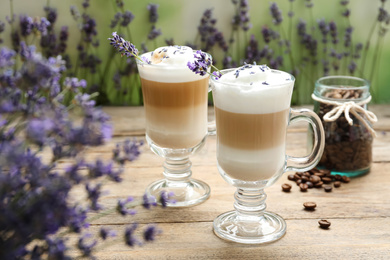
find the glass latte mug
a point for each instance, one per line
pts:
(175, 102)
(252, 117)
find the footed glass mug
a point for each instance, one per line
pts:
(251, 122)
(175, 102)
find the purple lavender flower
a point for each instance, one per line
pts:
(127, 18)
(383, 15)
(346, 13)
(94, 193)
(348, 36)
(352, 67)
(309, 3)
(124, 47)
(42, 25)
(56, 248)
(344, 2)
(154, 33)
(51, 14)
(165, 198)
(85, 247)
(333, 32)
(276, 14)
(38, 129)
(74, 83)
(153, 14)
(201, 64)
(150, 233)
(122, 209)
(324, 28)
(26, 25)
(130, 239)
(104, 233)
(115, 21)
(148, 201)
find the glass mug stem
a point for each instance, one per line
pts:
(305, 163)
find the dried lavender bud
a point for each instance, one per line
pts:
(153, 15)
(276, 14)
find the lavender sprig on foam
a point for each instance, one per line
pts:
(201, 65)
(125, 48)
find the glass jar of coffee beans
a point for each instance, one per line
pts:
(341, 104)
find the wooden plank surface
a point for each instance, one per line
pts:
(359, 211)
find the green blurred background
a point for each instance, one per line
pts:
(178, 19)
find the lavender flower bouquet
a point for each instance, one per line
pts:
(38, 104)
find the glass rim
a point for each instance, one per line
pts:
(224, 71)
(365, 83)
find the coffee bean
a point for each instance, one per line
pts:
(304, 179)
(303, 187)
(307, 174)
(297, 177)
(318, 184)
(337, 184)
(337, 177)
(286, 187)
(319, 174)
(298, 182)
(325, 224)
(326, 180)
(327, 188)
(291, 177)
(310, 205)
(309, 184)
(315, 179)
(345, 179)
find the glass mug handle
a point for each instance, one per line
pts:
(211, 126)
(301, 164)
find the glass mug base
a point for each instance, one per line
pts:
(183, 190)
(182, 194)
(260, 229)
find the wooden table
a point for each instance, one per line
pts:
(359, 211)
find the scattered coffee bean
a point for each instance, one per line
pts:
(337, 184)
(304, 179)
(297, 177)
(337, 177)
(315, 179)
(299, 182)
(327, 188)
(307, 174)
(318, 184)
(325, 224)
(303, 187)
(326, 180)
(291, 177)
(310, 205)
(345, 179)
(286, 187)
(310, 185)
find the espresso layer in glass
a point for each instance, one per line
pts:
(251, 146)
(176, 113)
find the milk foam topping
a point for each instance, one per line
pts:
(169, 64)
(253, 89)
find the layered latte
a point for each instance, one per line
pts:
(175, 99)
(252, 107)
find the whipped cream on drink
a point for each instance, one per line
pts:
(175, 98)
(252, 108)
(169, 64)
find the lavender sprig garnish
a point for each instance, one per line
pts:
(201, 65)
(125, 48)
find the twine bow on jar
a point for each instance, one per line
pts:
(349, 107)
